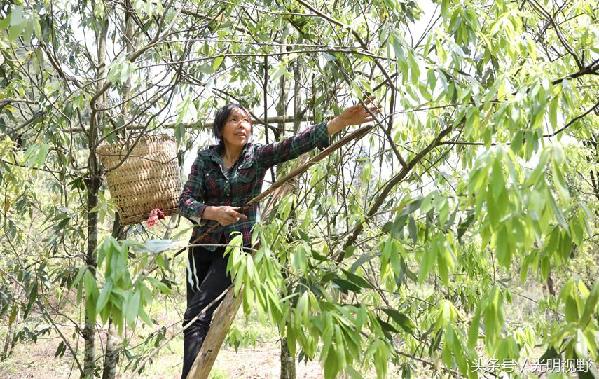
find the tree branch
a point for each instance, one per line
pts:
(549, 18)
(571, 122)
(378, 201)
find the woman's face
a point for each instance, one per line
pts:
(237, 129)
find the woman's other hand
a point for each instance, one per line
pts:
(224, 215)
(354, 115)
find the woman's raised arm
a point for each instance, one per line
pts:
(354, 115)
(314, 136)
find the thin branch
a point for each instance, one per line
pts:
(378, 201)
(565, 43)
(356, 36)
(207, 125)
(571, 122)
(5, 102)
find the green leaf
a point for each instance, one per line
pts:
(473, 329)
(217, 62)
(497, 180)
(352, 373)
(507, 349)
(291, 340)
(426, 265)
(590, 305)
(357, 280)
(387, 328)
(340, 346)
(571, 309)
(131, 309)
(179, 133)
(104, 295)
(444, 262)
(536, 204)
(280, 70)
(250, 268)
(431, 80)
(577, 226)
(35, 156)
(545, 267)
(32, 296)
(239, 278)
(16, 16)
(412, 229)
(503, 248)
(493, 317)
(463, 226)
(183, 112)
(478, 180)
(346, 285)
(401, 319)
(318, 256)
(553, 112)
(298, 259)
(414, 69)
(144, 317)
(160, 286)
(581, 347)
(89, 281)
(361, 260)
(494, 209)
(302, 308)
(559, 215)
(517, 141)
(528, 260)
(448, 341)
(331, 366)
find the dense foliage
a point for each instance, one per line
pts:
(462, 228)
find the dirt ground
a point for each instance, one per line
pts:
(37, 361)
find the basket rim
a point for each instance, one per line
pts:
(105, 148)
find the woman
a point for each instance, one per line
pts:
(223, 178)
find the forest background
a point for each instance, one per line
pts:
(461, 228)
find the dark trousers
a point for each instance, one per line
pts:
(206, 280)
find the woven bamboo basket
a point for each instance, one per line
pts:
(147, 179)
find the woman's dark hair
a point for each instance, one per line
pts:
(220, 119)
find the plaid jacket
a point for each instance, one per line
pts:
(210, 184)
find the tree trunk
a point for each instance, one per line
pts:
(89, 330)
(113, 347)
(111, 357)
(297, 78)
(288, 370)
(287, 361)
(93, 186)
(281, 106)
(10, 332)
(113, 341)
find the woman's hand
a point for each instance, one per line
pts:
(354, 115)
(224, 215)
